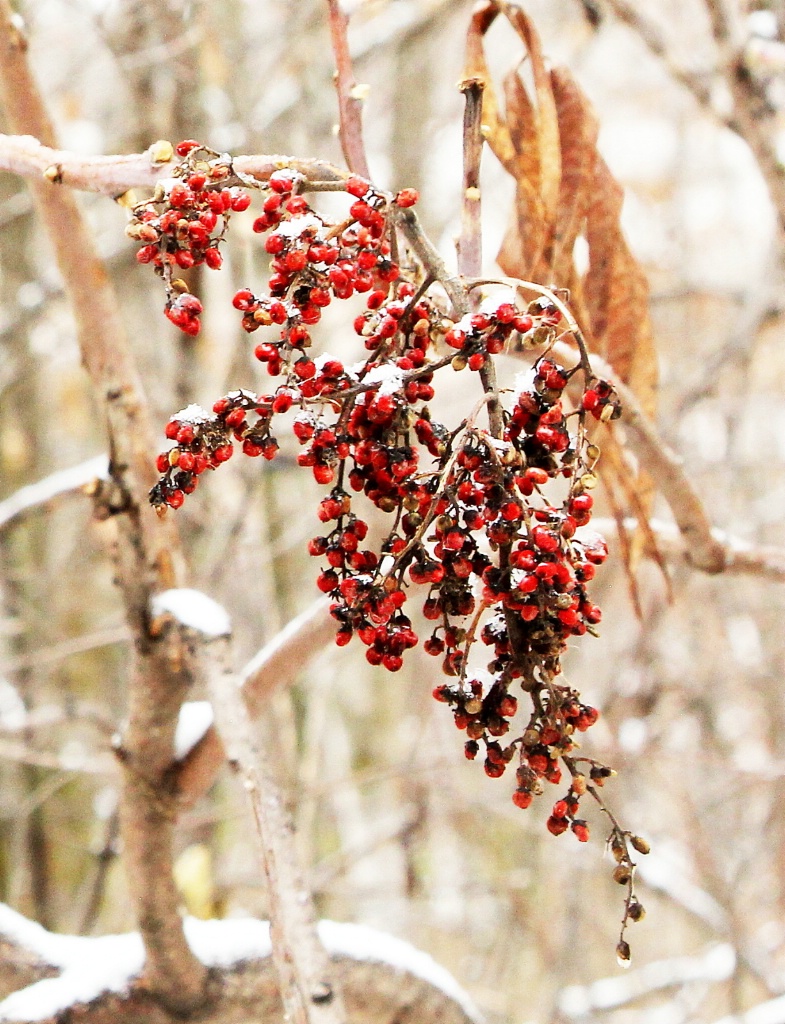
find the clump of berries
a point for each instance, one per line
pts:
(490, 523)
(183, 224)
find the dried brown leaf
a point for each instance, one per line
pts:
(547, 118)
(494, 126)
(578, 131)
(617, 293)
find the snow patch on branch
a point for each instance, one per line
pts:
(195, 718)
(94, 966)
(770, 1012)
(60, 482)
(359, 942)
(193, 609)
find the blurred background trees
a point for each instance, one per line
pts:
(398, 831)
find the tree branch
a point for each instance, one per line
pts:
(350, 95)
(752, 117)
(309, 994)
(147, 551)
(275, 666)
(96, 980)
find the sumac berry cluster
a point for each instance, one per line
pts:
(184, 223)
(488, 524)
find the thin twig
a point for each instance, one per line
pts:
(308, 989)
(350, 95)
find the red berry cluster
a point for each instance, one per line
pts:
(183, 224)
(490, 521)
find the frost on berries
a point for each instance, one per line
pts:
(488, 533)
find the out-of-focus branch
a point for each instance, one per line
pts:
(147, 551)
(308, 991)
(741, 558)
(58, 484)
(275, 666)
(651, 36)
(666, 469)
(350, 95)
(48, 977)
(752, 116)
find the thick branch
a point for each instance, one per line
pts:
(147, 549)
(95, 980)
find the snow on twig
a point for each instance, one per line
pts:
(196, 717)
(55, 485)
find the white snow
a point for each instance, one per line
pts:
(388, 376)
(194, 414)
(295, 227)
(524, 381)
(92, 966)
(770, 1012)
(251, 396)
(763, 24)
(193, 609)
(196, 717)
(13, 713)
(359, 942)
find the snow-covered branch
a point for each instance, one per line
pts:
(100, 978)
(276, 665)
(309, 992)
(51, 487)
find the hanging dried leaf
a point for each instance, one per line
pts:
(546, 138)
(578, 132)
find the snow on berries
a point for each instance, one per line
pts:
(487, 541)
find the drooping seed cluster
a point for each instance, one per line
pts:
(489, 526)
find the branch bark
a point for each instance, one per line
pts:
(275, 666)
(350, 98)
(147, 552)
(385, 980)
(309, 994)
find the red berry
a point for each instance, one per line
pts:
(407, 197)
(581, 830)
(323, 474)
(357, 186)
(557, 825)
